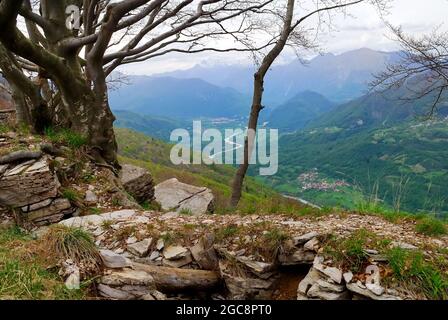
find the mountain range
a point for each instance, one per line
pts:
(178, 98)
(340, 78)
(297, 112)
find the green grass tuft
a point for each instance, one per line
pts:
(66, 137)
(74, 244)
(429, 277)
(431, 227)
(70, 194)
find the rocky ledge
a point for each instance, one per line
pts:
(155, 255)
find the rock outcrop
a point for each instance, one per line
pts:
(138, 183)
(178, 196)
(31, 189)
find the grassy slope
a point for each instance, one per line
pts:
(153, 154)
(385, 157)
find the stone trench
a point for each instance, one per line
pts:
(146, 265)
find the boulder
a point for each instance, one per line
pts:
(138, 183)
(177, 196)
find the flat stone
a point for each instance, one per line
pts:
(131, 240)
(376, 289)
(114, 260)
(58, 206)
(333, 273)
(316, 292)
(97, 219)
(37, 206)
(304, 238)
(178, 263)
(312, 245)
(141, 248)
(403, 245)
(19, 168)
(244, 288)
(112, 293)
(330, 287)
(259, 268)
(299, 257)
(169, 215)
(355, 288)
(175, 252)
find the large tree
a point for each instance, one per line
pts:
(57, 54)
(290, 18)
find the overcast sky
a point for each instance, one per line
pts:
(363, 28)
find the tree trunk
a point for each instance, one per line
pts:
(175, 279)
(249, 140)
(257, 103)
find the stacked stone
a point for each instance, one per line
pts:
(31, 189)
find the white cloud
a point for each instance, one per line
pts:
(362, 28)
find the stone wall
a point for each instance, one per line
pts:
(30, 188)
